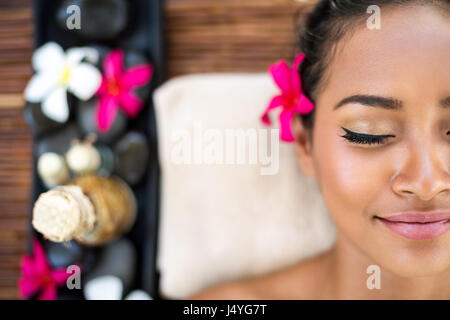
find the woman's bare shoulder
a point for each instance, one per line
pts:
(236, 290)
(298, 281)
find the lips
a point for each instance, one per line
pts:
(418, 225)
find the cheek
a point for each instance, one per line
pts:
(351, 178)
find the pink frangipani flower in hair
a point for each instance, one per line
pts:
(116, 89)
(291, 99)
(38, 277)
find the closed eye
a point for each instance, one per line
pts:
(362, 138)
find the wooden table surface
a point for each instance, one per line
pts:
(201, 36)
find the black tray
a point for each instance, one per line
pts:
(144, 33)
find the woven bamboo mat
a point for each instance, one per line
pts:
(202, 36)
(15, 141)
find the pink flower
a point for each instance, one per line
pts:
(37, 276)
(116, 89)
(291, 99)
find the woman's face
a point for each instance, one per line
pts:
(392, 82)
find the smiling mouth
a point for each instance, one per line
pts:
(418, 226)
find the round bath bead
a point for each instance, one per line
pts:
(52, 169)
(97, 20)
(132, 155)
(83, 158)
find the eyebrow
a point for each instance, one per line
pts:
(382, 102)
(445, 103)
(372, 101)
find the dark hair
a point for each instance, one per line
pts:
(324, 26)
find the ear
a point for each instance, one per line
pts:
(303, 146)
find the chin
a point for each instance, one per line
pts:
(420, 260)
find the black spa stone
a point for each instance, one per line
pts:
(62, 255)
(131, 58)
(132, 155)
(65, 293)
(38, 123)
(85, 115)
(57, 141)
(118, 259)
(107, 159)
(100, 20)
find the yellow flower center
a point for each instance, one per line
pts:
(65, 75)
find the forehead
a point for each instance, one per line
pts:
(407, 58)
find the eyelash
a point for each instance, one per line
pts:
(360, 138)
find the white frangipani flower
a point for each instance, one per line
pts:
(57, 72)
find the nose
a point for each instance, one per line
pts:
(424, 173)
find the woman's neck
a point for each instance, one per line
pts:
(349, 278)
